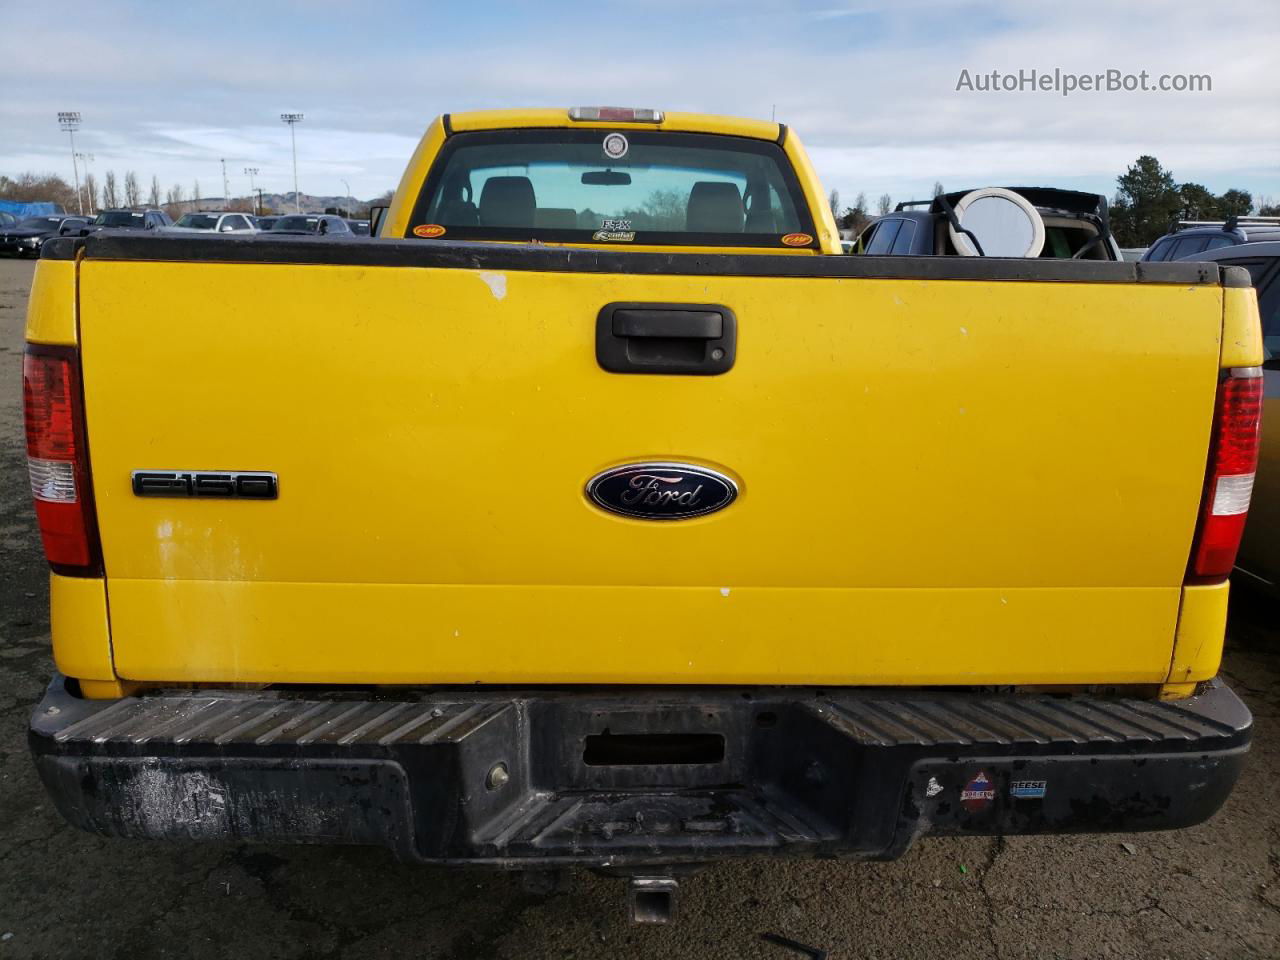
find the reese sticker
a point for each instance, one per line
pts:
(977, 793)
(428, 230)
(616, 146)
(1028, 789)
(797, 240)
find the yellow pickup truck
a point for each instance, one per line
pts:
(599, 512)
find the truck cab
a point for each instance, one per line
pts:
(618, 177)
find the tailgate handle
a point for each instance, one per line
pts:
(696, 339)
(691, 324)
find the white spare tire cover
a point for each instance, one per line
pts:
(1004, 222)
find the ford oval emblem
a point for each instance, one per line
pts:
(661, 491)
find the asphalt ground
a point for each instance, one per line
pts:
(1211, 891)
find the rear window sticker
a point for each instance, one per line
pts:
(616, 146)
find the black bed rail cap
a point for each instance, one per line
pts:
(469, 255)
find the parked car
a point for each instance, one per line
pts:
(265, 223)
(322, 224)
(907, 557)
(213, 222)
(359, 227)
(1190, 237)
(1075, 225)
(1259, 558)
(128, 220)
(25, 237)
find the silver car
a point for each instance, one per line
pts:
(213, 222)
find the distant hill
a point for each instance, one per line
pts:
(280, 203)
(312, 203)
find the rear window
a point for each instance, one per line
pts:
(198, 221)
(296, 223)
(906, 233)
(882, 240)
(620, 187)
(118, 218)
(1188, 246)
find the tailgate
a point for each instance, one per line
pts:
(939, 481)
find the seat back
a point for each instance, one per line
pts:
(507, 202)
(714, 207)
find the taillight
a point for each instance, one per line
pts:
(57, 459)
(616, 114)
(1233, 460)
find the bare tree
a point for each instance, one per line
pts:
(833, 201)
(937, 188)
(154, 199)
(110, 193)
(91, 190)
(195, 194)
(885, 204)
(29, 187)
(173, 201)
(132, 193)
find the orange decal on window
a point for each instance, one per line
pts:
(797, 239)
(428, 230)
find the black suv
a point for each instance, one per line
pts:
(321, 224)
(128, 220)
(1189, 237)
(1075, 226)
(25, 237)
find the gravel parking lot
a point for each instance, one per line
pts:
(1213, 891)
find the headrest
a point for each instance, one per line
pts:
(714, 207)
(507, 202)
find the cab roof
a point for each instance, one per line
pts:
(559, 117)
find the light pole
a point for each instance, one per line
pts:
(226, 187)
(293, 119)
(253, 172)
(86, 159)
(69, 120)
(345, 204)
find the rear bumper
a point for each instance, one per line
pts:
(667, 776)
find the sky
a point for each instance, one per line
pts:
(172, 88)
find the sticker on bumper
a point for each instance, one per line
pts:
(977, 793)
(1028, 789)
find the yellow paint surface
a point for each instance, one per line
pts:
(942, 482)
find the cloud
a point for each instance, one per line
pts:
(869, 85)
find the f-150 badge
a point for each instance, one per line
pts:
(661, 491)
(239, 485)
